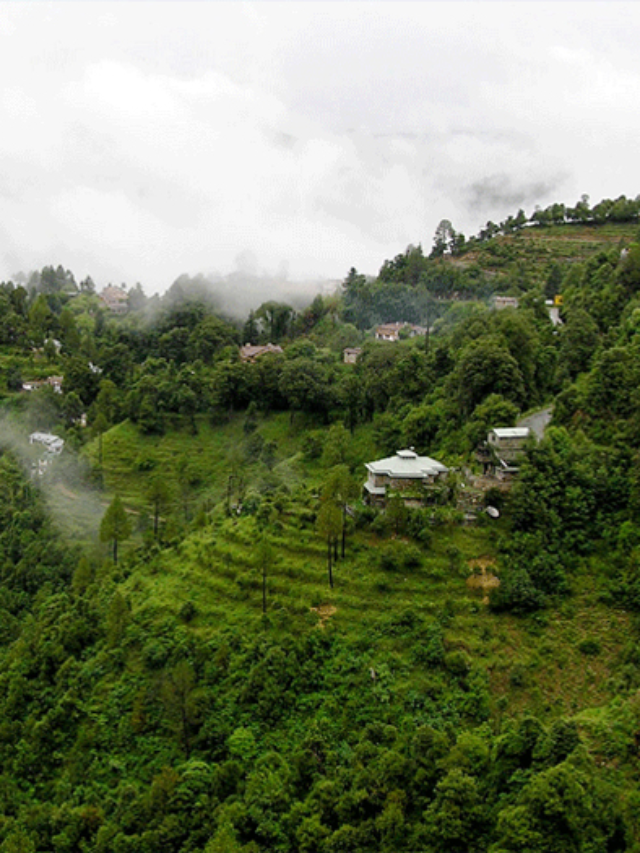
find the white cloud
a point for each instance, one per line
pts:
(142, 140)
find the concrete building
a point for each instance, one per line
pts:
(52, 444)
(508, 443)
(406, 474)
(501, 302)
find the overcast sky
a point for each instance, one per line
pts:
(142, 140)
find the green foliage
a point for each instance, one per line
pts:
(590, 647)
(117, 619)
(396, 515)
(115, 525)
(494, 411)
(154, 705)
(555, 507)
(399, 556)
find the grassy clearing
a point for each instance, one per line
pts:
(208, 465)
(550, 665)
(541, 247)
(557, 663)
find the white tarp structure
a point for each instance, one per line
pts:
(53, 444)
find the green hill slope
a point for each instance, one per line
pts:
(533, 251)
(213, 692)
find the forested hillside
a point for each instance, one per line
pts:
(211, 643)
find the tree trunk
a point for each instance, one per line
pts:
(329, 561)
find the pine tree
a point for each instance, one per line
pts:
(115, 526)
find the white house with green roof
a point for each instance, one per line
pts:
(406, 473)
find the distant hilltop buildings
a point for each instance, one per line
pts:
(394, 331)
(52, 446)
(501, 302)
(249, 352)
(115, 299)
(54, 382)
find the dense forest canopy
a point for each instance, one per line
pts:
(210, 642)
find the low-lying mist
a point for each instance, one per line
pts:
(237, 293)
(75, 506)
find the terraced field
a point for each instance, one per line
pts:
(539, 248)
(390, 616)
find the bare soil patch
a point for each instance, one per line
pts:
(325, 612)
(481, 579)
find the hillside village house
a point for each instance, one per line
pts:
(391, 331)
(501, 302)
(115, 299)
(508, 442)
(54, 382)
(506, 445)
(405, 473)
(350, 354)
(52, 444)
(249, 352)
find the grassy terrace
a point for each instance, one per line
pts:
(549, 666)
(205, 460)
(559, 662)
(539, 248)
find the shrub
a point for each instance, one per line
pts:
(590, 647)
(145, 463)
(312, 445)
(379, 525)
(188, 611)
(251, 418)
(412, 557)
(389, 558)
(254, 446)
(399, 556)
(155, 654)
(458, 663)
(517, 594)
(518, 676)
(417, 519)
(365, 516)
(430, 649)
(403, 624)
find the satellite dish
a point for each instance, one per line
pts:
(493, 512)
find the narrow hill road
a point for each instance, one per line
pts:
(537, 422)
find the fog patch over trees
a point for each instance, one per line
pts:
(63, 480)
(236, 293)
